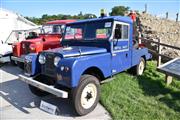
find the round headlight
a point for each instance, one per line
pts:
(42, 59)
(56, 60)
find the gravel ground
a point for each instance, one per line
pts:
(17, 102)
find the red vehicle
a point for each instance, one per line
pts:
(49, 38)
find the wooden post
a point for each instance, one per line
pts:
(166, 15)
(159, 52)
(168, 80)
(177, 15)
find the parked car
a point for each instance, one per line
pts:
(14, 37)
(50, 37)
(94, 50)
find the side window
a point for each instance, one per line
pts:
(56, 29)
(118, 31)
(125, 32)
(102, 33)
(73, 33)
(121, 31)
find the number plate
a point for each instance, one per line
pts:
(48, 107)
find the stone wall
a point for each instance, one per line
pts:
(167, 31)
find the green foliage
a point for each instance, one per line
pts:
(45, 18)
(119, 10)
(143, 97)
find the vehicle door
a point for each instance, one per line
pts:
(121, 55)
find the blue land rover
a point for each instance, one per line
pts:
(93, 51)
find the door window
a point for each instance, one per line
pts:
(123, 31)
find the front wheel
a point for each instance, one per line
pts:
(20, 65)
(13, 62)
(86, 94)
(36, 91)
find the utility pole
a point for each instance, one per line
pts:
(177, 15)
(166, 15)
(145, 8)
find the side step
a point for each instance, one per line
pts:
(107, 80)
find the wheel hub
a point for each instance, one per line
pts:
(88, 95)
(141, 68)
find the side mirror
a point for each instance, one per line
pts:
(117, 34)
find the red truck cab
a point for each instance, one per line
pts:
(49, 38)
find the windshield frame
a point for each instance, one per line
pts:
(85, 27)
(43, 32)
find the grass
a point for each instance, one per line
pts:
(142, 97)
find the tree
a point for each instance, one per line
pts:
(119, 10)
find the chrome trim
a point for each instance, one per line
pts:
(47, 88)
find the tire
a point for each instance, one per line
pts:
(138, 69)
(20, 65)
(13, 62)
(38, 92)
(86, 95)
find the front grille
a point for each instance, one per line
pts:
(25, 48)
(49, 68)
(50, 61)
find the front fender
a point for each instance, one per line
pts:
(79, 64)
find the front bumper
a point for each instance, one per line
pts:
(4, 59)
(44, 87)
(18, 59)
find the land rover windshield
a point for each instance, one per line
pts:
(52, 29)
(96, 30)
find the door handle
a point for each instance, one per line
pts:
(126, 55)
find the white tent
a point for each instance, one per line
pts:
(10, 21)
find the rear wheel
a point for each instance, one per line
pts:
(86, 95)
(138, 69)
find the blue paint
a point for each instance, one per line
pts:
(108, 55)
(32, 60)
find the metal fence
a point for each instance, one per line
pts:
(158, 52)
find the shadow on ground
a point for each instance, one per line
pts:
(17, 93)
(154, 86)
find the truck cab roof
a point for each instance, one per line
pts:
(113, 18)
(59, 22)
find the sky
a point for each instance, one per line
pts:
(36, 8)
